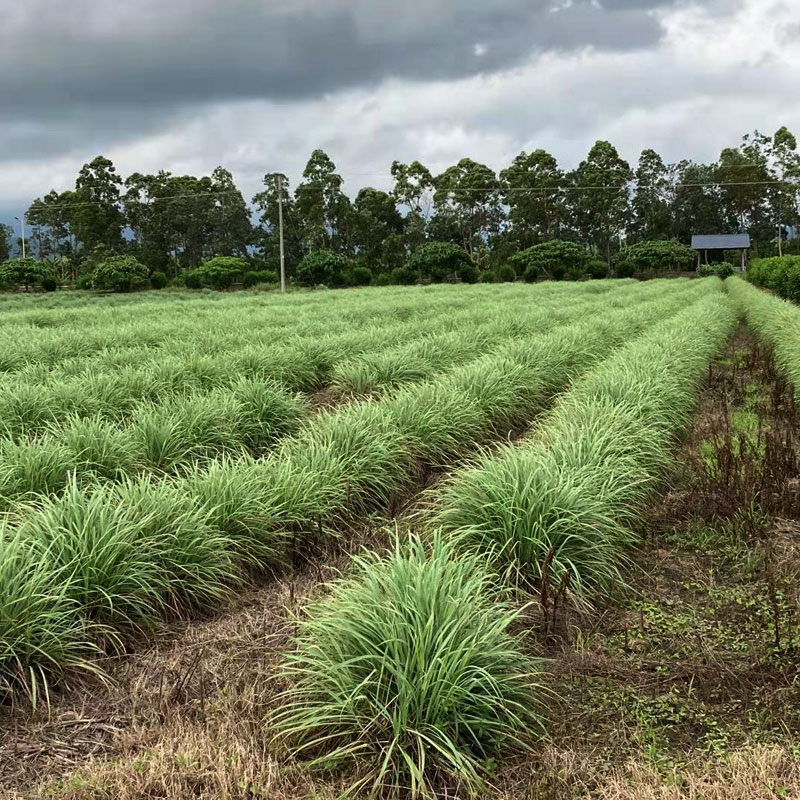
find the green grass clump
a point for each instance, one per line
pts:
(408, 669)
(130, 553)
(42, 634)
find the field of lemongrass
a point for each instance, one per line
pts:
(501, 445)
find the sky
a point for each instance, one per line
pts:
(256, 85)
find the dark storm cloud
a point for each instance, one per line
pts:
(94, 53)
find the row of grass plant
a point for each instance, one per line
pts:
(35, 350)
(776, 322)
(247, 416)
(32, 404)
(121, 556)
(558, 510)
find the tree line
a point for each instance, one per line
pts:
(174, 223)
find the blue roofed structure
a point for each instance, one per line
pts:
(721, 241)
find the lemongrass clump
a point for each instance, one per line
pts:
(408, 670)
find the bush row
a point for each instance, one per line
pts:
(780, 274)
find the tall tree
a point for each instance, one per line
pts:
(697, 207)
(744, 177)
(652, 215)
(6, 232)
(266, 233)
(96, 215)
(50, 220)
(468, 196)
(413, 189)
(230, 228)
(600, 199)
(785, 195)
(377, 230)
(321, 205)
(531, 191)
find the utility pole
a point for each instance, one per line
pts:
(279, 189)
(22, 226)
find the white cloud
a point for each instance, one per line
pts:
(711, 79)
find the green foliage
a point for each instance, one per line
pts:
(254, 277)
(597, 268)
(554, 258)
(322, 267)
(359, 275)
(26, 271)
(722, 269)
(506, 273)
(192, 279)
(221, 272)
(781, 274)
(409, 667)
(660, 256)
(404, 276)
(251, 474)
(439, 261)
(531, 273)
(120, 274)
(41, 632)
(775, 321)
(468, 273)
(158, 280)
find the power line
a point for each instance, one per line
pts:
(500, 189)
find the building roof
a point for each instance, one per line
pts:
(723, 241)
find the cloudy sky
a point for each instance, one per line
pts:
(256, 85)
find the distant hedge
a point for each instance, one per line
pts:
(657, 256)
(781, 274)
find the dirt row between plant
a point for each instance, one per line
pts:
(685, 686)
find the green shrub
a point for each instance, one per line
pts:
(120, 274)
(254, 277)
(624, 268)
(221, 272)
(360, 275)
(597, 268)
(722, 269)
(158, 280)
(780, 274)
(383, 279)
(26, 271)
(49, 283)
(488, 276)
(554, 258)
(322, 267)
(439, 261)
(468, 273)
(660, 256)
(191, 279)
(531, 273)
(409, 668)
(404, 276)
(83, 282)
(506, 273)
